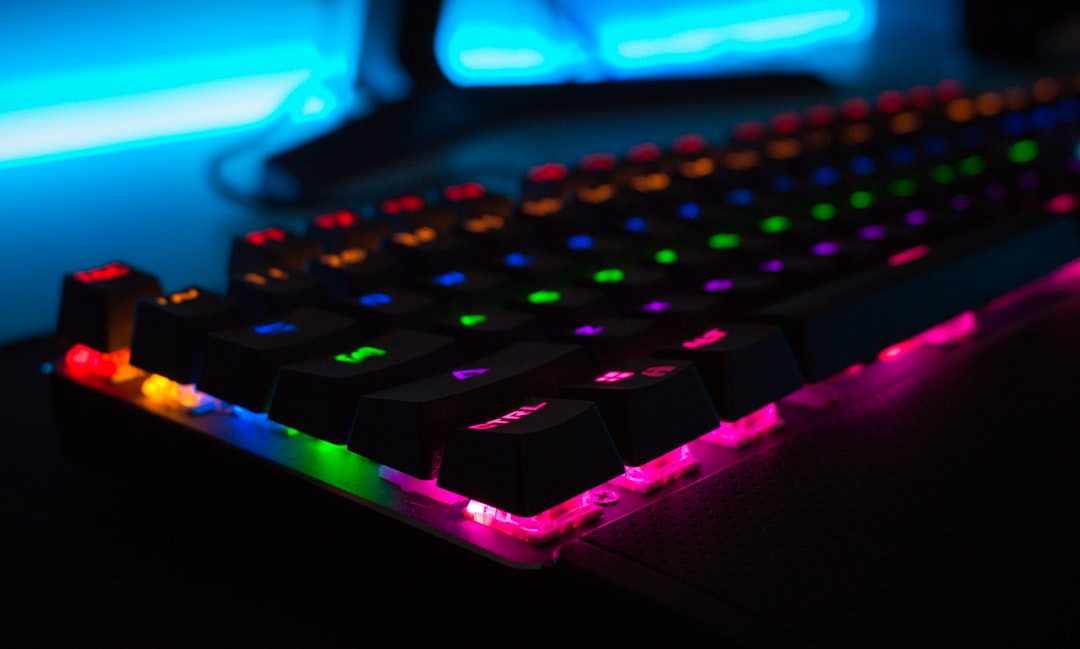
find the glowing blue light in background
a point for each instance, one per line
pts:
(147, 72)
(542, 42)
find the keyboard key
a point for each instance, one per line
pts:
(530, 456)
(388, 307)
(170, 331)
(745, 366)
(835, 326)
(240, 364)
(405, 427)
(487, 330)
(269, 292)
(353, 271)
(651, 406)
(272, 247)
(318, 396)
(611, 339)
(97, 306)
(344, 230)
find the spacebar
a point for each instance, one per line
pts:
(848, 321)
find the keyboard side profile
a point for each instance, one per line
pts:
(509, 373)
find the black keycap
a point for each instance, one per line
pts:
(745, 366)
(611, 339)
(353, 271)
(97, 306)
(344, 229)
(405, 427)
(241, 364)
(557, 307)
(462, 287)
(651, 406)
(272, 246)
(849, 321)
(170, 331)
(530, 457)
(485, 331)
(319, 396)
(388, 307)
(269, 292)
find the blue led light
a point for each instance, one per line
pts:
(274, 328)
(1015, 124)
(689, 211)
(1043, 118)
(783, 184)
(375, 299)
(825, 175)
(740, 197)
(580, 242)
(451, 278)
(518, 260)
(936, 145)
(862, 165)
(635, 224)
(902, 155)
(1068, 111)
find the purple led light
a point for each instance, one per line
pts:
(715, 285)
(825, 248)
(773, 266)
(872, 232)
(960, 202)
(917, 217)
(588, 330)
(656, 306)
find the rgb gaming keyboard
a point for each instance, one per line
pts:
(510, 373)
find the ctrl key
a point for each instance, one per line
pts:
(535, 456)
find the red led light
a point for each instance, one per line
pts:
(820, 115)
(748, 131)
(88, 361)
(103, 274)
(948, 90)
(921, 96)
(339, 219)
(411, 203)
(855, 109)
(689, 144)
(261, 237)
(598, 162)
(647, 152)
(786, 123)
(548, 172)
(890, 101)
(390, 206)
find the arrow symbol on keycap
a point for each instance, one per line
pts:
(461, 375)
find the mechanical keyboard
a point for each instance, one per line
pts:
(511, 373)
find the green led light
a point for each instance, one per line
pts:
(823, 211)
(473, 319)
(665, 256)
(1023, 151)
(607, 276)
(943, 174)
(862, 199)
(775, 224)
(290, 432)
(973, 165)
(359, 354)
(902, 187)
(724, 241)
(544, 297)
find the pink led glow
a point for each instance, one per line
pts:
(613, 377)
(896, 351)
(539, 529)
(511, 416)
(659, 471)
(1061, 204)
(909, 255)
(416, 485)
(706, 338)
(658, 370)
(743, 431)
(950, 331)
